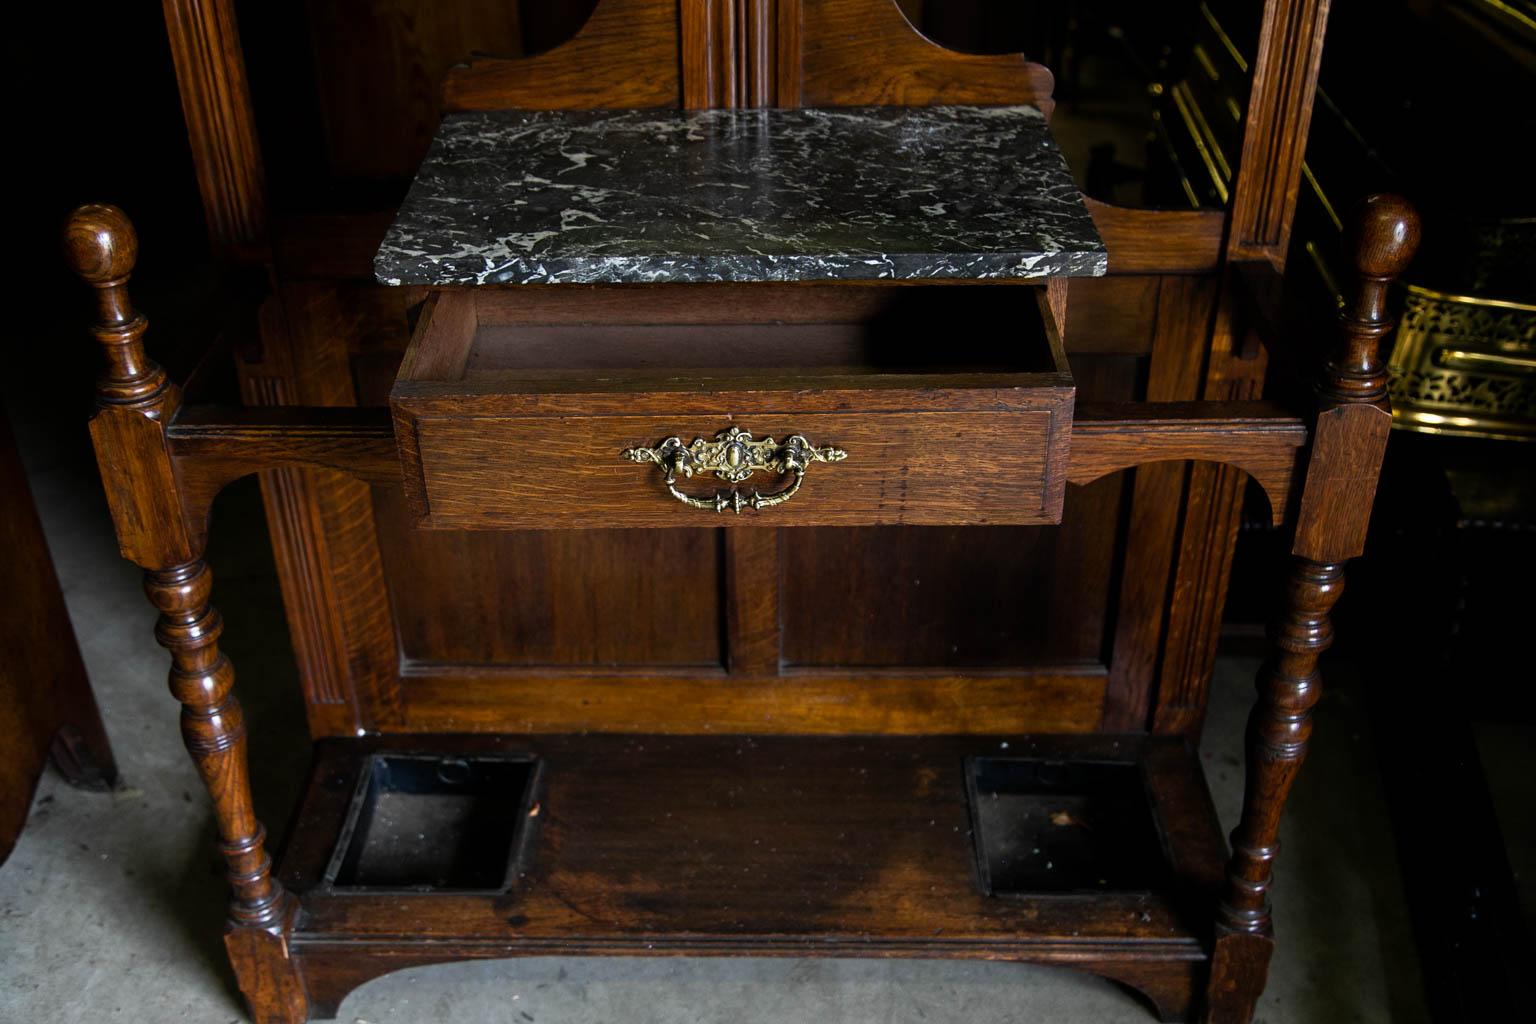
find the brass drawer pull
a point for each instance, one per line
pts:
(733, 456)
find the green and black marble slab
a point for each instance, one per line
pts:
(520, 197)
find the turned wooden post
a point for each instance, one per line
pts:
(1348, 443)
(135, 404)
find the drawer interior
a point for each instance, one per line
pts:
(489, 337)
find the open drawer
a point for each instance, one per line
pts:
(786, 404)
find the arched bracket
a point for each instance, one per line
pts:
(211, 447)
(1260, 438)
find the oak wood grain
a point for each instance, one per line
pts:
(1347, 449)
(806, 701)
(871, 834)
(1262, 439)
(753, 577)
(135, 403)
(216, 100)
(626, 55)
(1159, 241)
(865, 52)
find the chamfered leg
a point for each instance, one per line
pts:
(135, 404)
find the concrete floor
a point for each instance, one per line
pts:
(112, 904)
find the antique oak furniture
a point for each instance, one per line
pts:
(46, 704)
(717, 734)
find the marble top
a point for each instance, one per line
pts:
(854, 193)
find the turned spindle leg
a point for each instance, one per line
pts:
(1278, 729)
(1348, 443)
(213, 728)
(135, 403)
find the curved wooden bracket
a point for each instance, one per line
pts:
(1259, 438)
(1159, 241)
(213, 447)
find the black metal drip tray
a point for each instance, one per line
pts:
(429, 823)
(1062, 827)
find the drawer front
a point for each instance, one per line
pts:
(925, 466)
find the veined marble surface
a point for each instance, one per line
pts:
(622, 196)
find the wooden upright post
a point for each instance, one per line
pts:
(135, 404)
(1348, 443)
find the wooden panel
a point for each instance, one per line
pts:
(140, 486)
(1183, 310)
(891, 596)
(1234, 370)
(626, 55)
(1111, 315)
(954, 597)
(865, 52)
(1050, 698)
(752, 596)
(322, 532)
(588, 597)
(1335, 506)
(378, 66)
(1159, 241)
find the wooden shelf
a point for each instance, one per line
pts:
(737, 845)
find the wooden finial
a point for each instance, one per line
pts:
(100, 244)
(102, 247)
(1382, 237)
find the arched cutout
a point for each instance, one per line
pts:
(1273, 480)
(1255, 437)
(209, 456)
(626, 55)
(866, 52)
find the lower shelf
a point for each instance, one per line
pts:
(736, 845)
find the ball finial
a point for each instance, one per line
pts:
(1383, 235)
(100, 243)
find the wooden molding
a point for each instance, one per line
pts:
(1275, 130)
(221, 127)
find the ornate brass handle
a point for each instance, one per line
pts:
(733, 456)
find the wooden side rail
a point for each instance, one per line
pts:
(215, 442)
(212, 446)
(1262, 439)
